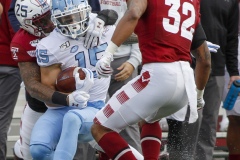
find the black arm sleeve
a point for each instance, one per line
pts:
(108, 16)
(198, 38)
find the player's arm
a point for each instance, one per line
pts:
(30, 73)
(49, 75)
(131, 39)
(201, 52)
(203, 65)
(202, 55)
(124, 29)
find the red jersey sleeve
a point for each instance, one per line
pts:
(23, 47)
(20, 54)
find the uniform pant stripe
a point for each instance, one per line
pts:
(151, 139)
(122, 153)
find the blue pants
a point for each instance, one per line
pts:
(56, 133)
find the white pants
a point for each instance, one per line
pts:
(28, 120)
(160, 90)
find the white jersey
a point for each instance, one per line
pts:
(59, 49)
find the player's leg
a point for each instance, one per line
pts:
(151, 135)
(76, 127)
(131, 133)
(46, 133)
(141, 97)
(28, 120)
(103, 156)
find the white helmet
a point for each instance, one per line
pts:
(71, 17)
(34, 16)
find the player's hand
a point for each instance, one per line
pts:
(212, 47)
(94, 33)
(126, 69)
(200, 103)
(85, 84)
(200, 100)
(78, 98)
(103, 66)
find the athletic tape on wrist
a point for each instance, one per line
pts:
(200, 93)
(59, 98)
(111, 48)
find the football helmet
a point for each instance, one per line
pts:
(34, 16)
(71, 17)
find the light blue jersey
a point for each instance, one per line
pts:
(55, 134)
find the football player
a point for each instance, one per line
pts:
(30, 14)
(60, 126)
(166, 83)
(127, 59)
(34, 17)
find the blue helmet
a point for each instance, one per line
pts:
(71, 17)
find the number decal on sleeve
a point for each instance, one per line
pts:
(41, 56)
(173, 12)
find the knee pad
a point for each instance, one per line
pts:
(40, 152)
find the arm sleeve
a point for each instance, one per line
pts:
(232, 41)
(12, 18)
(198, 38)
(109, 16)
(44, 56)
(19, 54)
(135, 56)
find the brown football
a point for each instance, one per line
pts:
(66, 81)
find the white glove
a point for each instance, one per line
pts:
(103, 66)
(200, 100)
(85, 84)
(78, 99)
(94, 33)
(212, 47)
(200, 103)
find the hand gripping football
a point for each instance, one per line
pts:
(66, 81)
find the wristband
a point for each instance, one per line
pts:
(59, 98)
(111, 48)
(199, 93)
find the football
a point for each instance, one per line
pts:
(66, 82)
